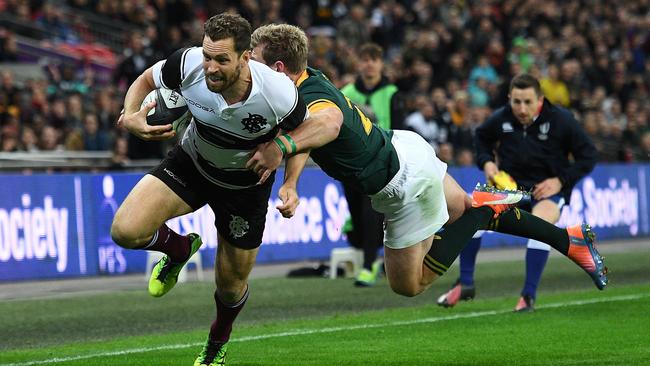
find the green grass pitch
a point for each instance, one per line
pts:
(323, 322)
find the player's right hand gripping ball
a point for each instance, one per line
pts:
(503, 180)
(171, 108)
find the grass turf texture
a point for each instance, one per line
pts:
(322, 322)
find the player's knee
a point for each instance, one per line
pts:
(124, 234)
(231, 294)
(406, 289)
(457, 203)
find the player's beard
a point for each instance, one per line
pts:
(226, 82)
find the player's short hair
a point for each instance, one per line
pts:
(371, 50)
(225, 25)
(283, 42)
(525, 81)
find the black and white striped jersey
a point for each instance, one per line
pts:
(221, 136)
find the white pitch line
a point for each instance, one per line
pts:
(326, 330)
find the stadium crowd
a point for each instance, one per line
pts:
(451, 60)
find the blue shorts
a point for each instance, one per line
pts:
(557, 198)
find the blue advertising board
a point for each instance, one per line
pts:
(312, 233)
(612, 199)
(54, 226)
(41, 227)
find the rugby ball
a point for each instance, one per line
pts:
(170, 108)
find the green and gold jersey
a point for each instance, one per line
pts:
(362, 155)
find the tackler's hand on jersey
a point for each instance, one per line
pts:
(136, 123)
(265, 159)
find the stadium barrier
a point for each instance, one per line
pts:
(57, 226)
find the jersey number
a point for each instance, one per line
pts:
(367, 123)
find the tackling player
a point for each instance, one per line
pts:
(236, 105)
(401, 174)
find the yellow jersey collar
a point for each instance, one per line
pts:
(302, 78)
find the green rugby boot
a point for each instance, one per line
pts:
(367, 278)
(165, 273)
(212, 354)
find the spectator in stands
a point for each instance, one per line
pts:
(440, 105)
(456, 68)
(458, 108)
(483, 70)
(28, 140)
(424, 122)
(75, 112)
(49, 140)
(52, 20)
(120, 156)
(321, 15)
(94, 139)
(137, 58)
(520, 54)
(10, 90)
(554, 89)
(9, 134)
(9, 141)
(465, 157)
(445, 152)
(642, 154)
(353, 30)
(631, 138)
(73, 140)
(480, 78)
(104, 109)
(172, 41)
(58, 116)
(8, 46)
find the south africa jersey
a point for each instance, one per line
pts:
(221, 136)
(362, 155)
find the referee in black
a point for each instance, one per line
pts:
(546, 151)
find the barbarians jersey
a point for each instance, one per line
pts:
(362, 155)
(220, 137)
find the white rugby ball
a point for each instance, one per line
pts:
(170, 108)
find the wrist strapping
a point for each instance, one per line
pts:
(281, 145)
(294, 148)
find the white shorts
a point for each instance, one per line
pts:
(413, 202)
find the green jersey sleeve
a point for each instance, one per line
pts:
(362, 155)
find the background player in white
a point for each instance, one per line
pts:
(236, 104)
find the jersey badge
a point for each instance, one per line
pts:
(543, 131)
(238, 226)
(254, 123)
(507, 127)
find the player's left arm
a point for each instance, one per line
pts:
(295, 162)
(322, 127)
(288, 191)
